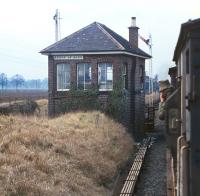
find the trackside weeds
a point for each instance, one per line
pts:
(74, 154)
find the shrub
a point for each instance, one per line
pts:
(117, 103)
(79, 100)
(24, 107)
(28, 107)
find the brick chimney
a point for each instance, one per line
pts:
(133, 33)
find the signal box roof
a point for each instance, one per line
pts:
(94, 38)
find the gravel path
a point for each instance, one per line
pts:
(152, 180)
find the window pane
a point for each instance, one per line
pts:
(88, 75)
(105, 76)
(58, 76)
(124, 76)
(109, 85)
(88, 72)
(109, 73)
(80, 69)
(66, 81)
(84, 75)
(102, 73)
(63, 76)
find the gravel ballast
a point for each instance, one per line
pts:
(152, 180)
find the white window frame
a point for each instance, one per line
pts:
(84, 74)
(106, 76)
(62, 64)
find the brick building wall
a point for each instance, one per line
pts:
(135, 102)
(139, 98)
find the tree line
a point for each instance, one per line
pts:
(19, 82)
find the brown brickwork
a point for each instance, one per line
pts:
(135, 113)
(133, 36)
(139, 98)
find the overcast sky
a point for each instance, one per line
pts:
(27, 26)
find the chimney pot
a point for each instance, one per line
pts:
(133, 21)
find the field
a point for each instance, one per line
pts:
(74, 154)
(13, 95)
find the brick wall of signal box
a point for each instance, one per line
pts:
(135, 113)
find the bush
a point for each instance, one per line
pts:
(26, 107)
(80, 100)
(87, 100)
(117, 103)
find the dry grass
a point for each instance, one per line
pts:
(75, 154)
(42, 103)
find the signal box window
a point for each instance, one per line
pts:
(124, 76)
(84, 75)
(63, 77)
(105, 72)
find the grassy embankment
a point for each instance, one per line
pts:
(74, 154)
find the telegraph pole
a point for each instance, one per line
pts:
(57, 25)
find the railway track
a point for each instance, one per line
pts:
(131, 180)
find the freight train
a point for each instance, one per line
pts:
(183, 112)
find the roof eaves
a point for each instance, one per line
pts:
(98, 52)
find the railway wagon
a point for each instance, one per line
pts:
(183, 112)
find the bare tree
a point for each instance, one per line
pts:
(3, 80)
(17, 80)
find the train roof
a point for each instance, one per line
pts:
(191, 25)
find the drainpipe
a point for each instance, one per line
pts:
(179, 144)
(184, 189)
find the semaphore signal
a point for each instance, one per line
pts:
(149, 43)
